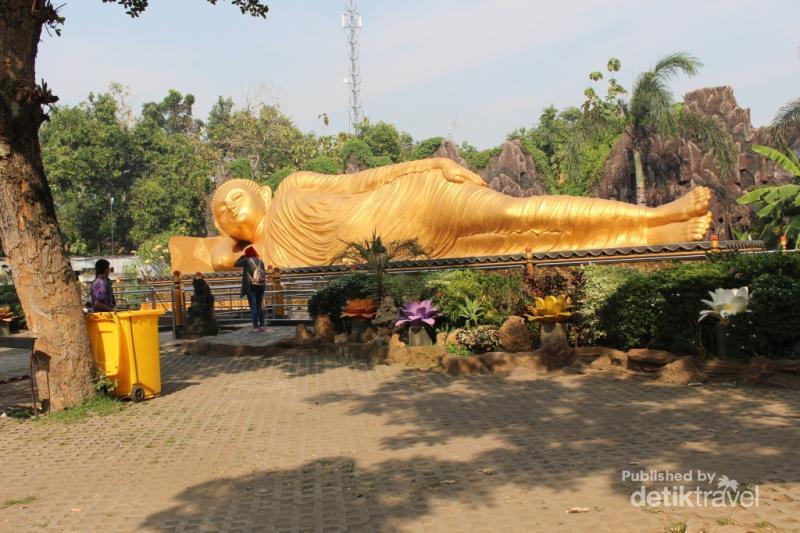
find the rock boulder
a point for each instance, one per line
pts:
(515, 335)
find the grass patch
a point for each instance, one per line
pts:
(17, 501)
(725, 521)
(96, 406)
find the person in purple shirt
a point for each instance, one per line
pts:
(101, 292)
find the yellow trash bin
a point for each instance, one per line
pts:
(125, 347)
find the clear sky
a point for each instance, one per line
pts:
(473, 69)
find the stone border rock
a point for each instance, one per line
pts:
(659, 365)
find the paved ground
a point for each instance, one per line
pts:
(310, 443)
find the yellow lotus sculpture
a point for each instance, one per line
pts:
(550, 309)
(450, 211)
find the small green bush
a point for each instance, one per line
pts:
(330, 299)
(277, 177)
(479, 339)
(323, 165)
(599, 283)
(363, 154)
(501, 294)
(425, 149)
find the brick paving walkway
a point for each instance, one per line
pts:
(311, 443)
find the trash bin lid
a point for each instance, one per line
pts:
(140, 313)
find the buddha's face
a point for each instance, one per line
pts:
(238, 211)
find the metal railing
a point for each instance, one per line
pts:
(284, 303)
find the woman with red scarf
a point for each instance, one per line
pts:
(254, 282)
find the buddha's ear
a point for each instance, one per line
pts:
(266, 194)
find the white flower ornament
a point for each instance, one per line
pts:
(726, 303)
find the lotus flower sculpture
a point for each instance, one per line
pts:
(418, 314)
(550, 310)
(359, 308)
(726, 303)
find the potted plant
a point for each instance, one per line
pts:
(724, 305)
(418, 316)
(360, 311)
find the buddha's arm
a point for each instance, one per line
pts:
(202, 254)
(374, 178)
(451, 171)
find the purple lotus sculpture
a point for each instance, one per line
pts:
(418, 314)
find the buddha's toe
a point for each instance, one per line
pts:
(697, 227)
(699, 197)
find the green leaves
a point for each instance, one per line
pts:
(255, 8)
(788, 161)
(777, 206)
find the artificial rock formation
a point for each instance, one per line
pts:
(514, 172)
(674, 166)
(324, 329)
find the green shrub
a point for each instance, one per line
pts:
(426, 148)
(478, 159)
(406, 287)
(661, 309)
(772, 328)
(363, 154)
(330, 299)
(323, 165)
(501, 294)
(357, 148)
(599, 283)
(277, 177)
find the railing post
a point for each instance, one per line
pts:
(275, 279)
(177, 303)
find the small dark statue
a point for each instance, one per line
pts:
(200, 318)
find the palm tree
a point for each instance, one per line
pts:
(377, 256)
(651, 110)
(785, 127)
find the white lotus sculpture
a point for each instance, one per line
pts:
(726, 303)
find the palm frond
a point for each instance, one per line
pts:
(786, 122)
(788, 161)
(651, 107)
(713, 136)
(404, 250)
(353, 252)
(677, 63)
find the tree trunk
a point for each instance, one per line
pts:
(44, 280)
(641, 197)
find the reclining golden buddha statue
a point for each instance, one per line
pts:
(449, 209)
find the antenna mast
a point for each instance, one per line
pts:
(351, 22)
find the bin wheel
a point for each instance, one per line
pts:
(137, 393)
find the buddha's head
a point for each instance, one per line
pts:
(238, 206)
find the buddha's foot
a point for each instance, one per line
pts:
(694, 229)
(692, 204)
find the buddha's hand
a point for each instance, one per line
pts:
(455, 173)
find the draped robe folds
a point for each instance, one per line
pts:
(312, 215)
